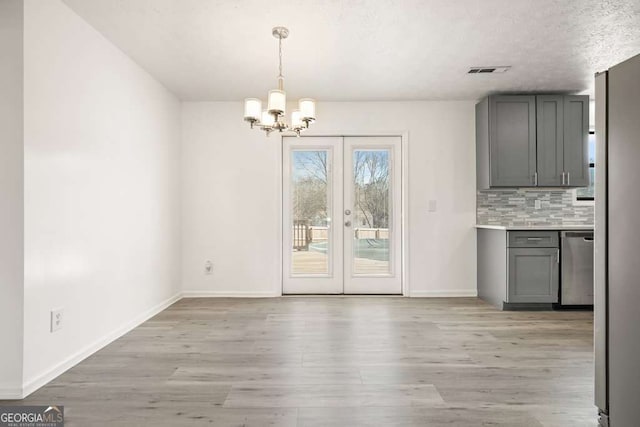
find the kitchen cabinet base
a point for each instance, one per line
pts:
(527, 306)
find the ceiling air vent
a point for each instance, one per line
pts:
(488, 70)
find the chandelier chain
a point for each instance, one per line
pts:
(280, 55)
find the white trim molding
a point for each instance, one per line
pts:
(11, 393)
(404, 220)
(40, 380)
(446, 293)
(406, 288)
(228, 294)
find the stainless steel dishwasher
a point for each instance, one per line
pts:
(576, 286)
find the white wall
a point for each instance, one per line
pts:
(101, 190)
(231, 194)
(230, 205)
(11, 201)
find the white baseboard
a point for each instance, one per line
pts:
(455, 293)
(35, 383)
(227, 294)
(414, 294)
(10, 393)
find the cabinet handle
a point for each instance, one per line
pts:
(535, 178)
(562, 178)
(568, 178)
(535, 239)
(558, 256)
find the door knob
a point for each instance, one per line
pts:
(347, 212)
(347, 224)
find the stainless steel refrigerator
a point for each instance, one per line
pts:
(617, 245)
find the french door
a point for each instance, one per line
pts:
(342, 215)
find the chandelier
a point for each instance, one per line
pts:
(273, 118)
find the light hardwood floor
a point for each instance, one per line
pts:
(337, 361)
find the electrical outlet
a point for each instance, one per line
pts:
(537, 204)
(208, 267)
(57, 316)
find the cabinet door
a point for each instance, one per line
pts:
(550, 135)
(533, 275)
(512, 135)
(576, 134)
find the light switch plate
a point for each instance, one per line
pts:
(433, 205)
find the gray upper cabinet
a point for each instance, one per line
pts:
(550, 126)
(576, 134)
(512, 135)
(529, 141)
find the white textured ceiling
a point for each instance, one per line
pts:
(348, 50)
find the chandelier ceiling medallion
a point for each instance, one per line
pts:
(273, 118)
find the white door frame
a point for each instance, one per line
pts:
(406, 289)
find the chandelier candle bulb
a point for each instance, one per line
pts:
(296, 120)
(277, 102)
(267, 119)
(252, 109)
(308, 109)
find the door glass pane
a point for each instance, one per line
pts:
(371, 212)
(310, 196)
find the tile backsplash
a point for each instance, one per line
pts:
(516, 207)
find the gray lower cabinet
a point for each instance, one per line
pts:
(534, 275)
(518, 267)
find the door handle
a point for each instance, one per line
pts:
(347, 224)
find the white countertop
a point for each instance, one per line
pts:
(588, 227)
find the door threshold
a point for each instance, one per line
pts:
(342, 295)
